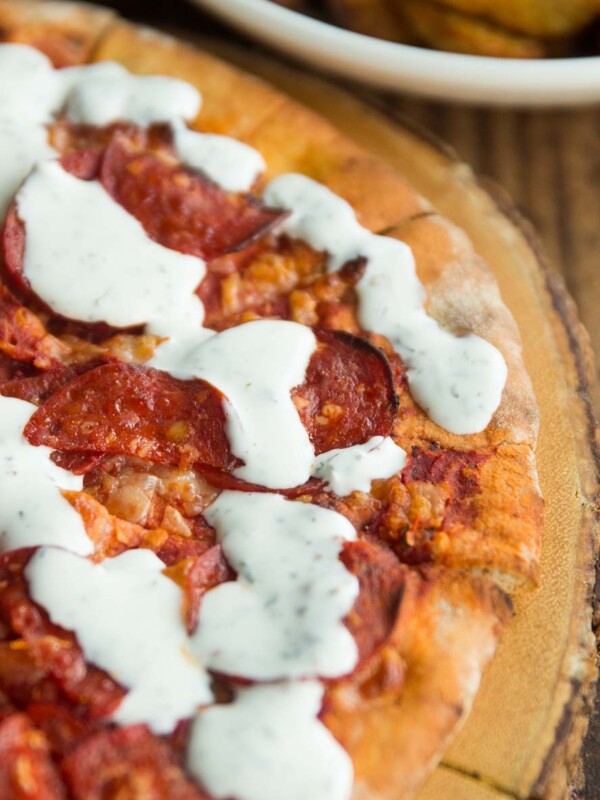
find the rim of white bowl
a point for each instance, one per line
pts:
(429, 73)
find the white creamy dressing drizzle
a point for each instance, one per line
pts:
(32, 509)
(232, 164)
(21, 146)
(269, 734)
(91, 260)
(127, 618)
(351, 469)
(106, 92)
(458, 380)
(282, 618)
(256, 366)
(26, 101)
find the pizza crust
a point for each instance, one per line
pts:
(66, 32)
(447, 640)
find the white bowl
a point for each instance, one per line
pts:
(446, 76)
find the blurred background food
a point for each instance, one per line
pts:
(502, 28)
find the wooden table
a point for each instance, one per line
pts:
(547, 161)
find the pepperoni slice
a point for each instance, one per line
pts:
(348, 395)
(382, 580)
(178, 207)
(63, 727)
(52, 646)
(126, 409)
(127, 762)
(38, 388)
(23, 337)
(26, 769)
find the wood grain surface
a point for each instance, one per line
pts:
(549, 163)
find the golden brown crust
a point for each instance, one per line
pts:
(67, 33)
(446, 642)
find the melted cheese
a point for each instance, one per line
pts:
(282, 618)
(352, 469)
(268, 745)
(32, 509)
(255, 366)
(458, 380)
(127, 618)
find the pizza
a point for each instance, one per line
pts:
(266, 438)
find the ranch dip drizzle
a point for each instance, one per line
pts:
(26, 101)
(256, 366)
(106, 92)
(32, 509)
(268, 745)
(233, 165)
(91, 260)
(127, 618)
(282, 618)
(351, 469)
(458, 380)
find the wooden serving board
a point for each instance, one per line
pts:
(523, 737)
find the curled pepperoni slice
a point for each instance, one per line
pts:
(383, 581)
(178, 207)
(196, 575)
(38, 388)
(348, 394)
(127, 762)
(26, 769)
(131, 410)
